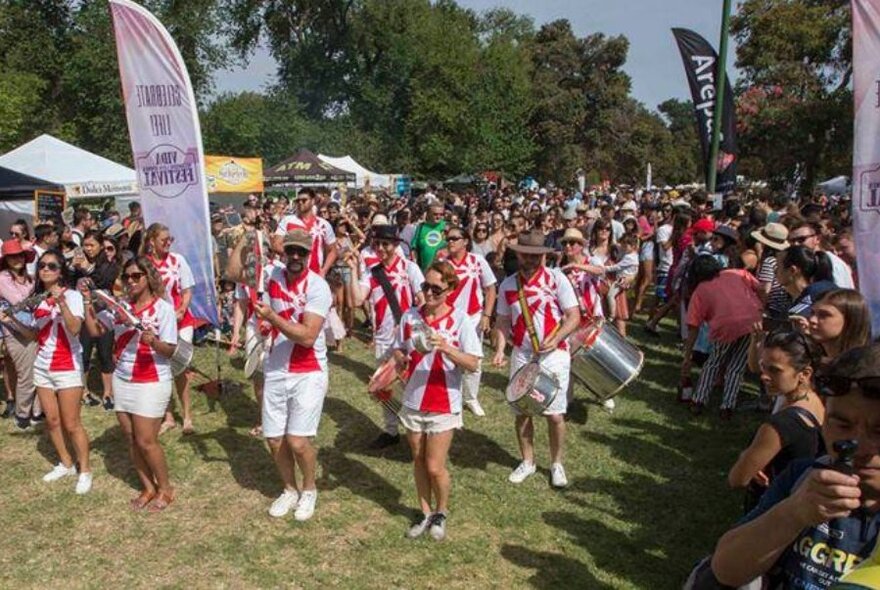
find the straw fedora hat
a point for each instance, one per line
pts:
(573, 234)
(773, 235)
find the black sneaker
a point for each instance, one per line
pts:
(91, 401)
(9, 411)
(385, 440)
(108, 404)
(22, 424)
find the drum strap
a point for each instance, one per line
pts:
(381, 276)
(526, 314)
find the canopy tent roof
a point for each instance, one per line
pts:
(835, 186)
(304, 167)
(362, 175)
(81, 173)
(16, 184)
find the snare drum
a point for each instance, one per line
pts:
(532, 389)
(386, 385)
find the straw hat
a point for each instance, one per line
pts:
(573, 234)
(773, 235)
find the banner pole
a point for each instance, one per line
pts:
(721, 80)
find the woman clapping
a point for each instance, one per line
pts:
(142, 380)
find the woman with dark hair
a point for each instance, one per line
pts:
(142, 379)
(727, 300)
(840, 321)
(805, 274)
(480, 242)
(15, 286)
(94, 266)
(58, 366)
(432, 399)
(787, 363)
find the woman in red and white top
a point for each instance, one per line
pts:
(58, 367)
(432, 399)
(475, 296)
(178, 280)
(142, 379)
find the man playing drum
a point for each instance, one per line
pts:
(391, 287)
(539, 330)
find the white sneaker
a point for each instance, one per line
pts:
(608, 405)
(306, 506)
(522, 471)
(438, 526)
(418, 529)
(557, 476)
(84, 483)
(58, 472)
(475, 407)
(283, 503)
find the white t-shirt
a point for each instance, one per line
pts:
(548, 294)
(136, 361)
(292, 299)
(433, 381)
(842, 273)
(57, 348)
(664, 234)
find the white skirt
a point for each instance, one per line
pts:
(141, 399)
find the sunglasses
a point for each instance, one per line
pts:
(801, 239)
(298, 252)
(49, 266)
(109, 248)
(15, 234)
(570, 243)
(454, 239)
(837, 385)
(133, 276)
(434, 290)
(168, 240)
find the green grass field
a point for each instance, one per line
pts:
(647, 497)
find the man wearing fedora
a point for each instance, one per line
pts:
(539, 331)
(394, 276)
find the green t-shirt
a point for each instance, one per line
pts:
(427, 241)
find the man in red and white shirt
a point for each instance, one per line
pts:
(405, 280)
(323, 252)
(553, 308)
(475, 296)
(295, 371)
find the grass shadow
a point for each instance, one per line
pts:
(339, 470)
(249, 461)
(113, 447)
(553, 569)
(356, 431)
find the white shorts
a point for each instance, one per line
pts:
(56, 380)
(558, 363)
(149, 400)
(429, 422)
(186, 334)
(292, 403)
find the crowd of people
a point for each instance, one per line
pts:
(755, 283)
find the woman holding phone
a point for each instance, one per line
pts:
(142, 380)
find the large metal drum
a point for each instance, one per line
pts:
(532, 389)
(604, 362)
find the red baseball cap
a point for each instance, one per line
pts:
(704, 225)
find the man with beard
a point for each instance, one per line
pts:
(818, 519)
(541, 331)
(391, 287)
(295, 370)
(323, 253)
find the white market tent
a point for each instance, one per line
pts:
(61, 166)
(362, 174)
(78, 172)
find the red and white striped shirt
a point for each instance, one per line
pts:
(292, 299)
(57, 348)
(322, 235)
(136, 361)
(433, 382)
(548, 294)
(585, 288)
(406, 280)
(474, 275)
(177, 277)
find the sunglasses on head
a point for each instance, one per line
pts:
(133, 276)
(837, 385)
(434, 290)
(49, 266)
